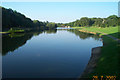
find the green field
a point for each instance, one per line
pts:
(13, 30)
(108, 63)
(108, 30)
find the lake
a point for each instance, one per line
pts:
(47, 54)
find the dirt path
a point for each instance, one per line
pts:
(95, 55)
(114, 38)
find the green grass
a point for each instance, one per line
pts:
(13, 30)
(108, 63)
(108, 30)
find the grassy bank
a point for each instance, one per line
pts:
(108, 63)
(13, 30)
(108, 30)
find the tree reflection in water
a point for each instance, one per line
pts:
(12, 42)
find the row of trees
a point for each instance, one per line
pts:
(112, 20)
(12, 19)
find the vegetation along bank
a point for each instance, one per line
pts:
(13, 21)
(104, 61)
(107, 28)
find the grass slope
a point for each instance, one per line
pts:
(108, 64)
(108, 30)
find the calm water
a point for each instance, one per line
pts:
(47, 54)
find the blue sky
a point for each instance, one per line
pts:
(63, 11)
(60, 0)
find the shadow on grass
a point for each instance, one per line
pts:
(109, 60)
(117, 35)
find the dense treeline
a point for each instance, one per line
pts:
(14, 19)
(112, 20)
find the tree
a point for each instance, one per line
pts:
(84, 21)
(11, 18)
(98, 22)
(112, 20)
(51, 26)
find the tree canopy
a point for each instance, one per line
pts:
(112, 20)
(12, 18)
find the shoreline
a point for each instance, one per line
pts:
(88, 32)
(95, 55)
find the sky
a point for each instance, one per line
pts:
(60, 0)
(63, 12)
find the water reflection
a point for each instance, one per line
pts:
(83, 35)
(12, 42)
(47, 54)
(51, 31)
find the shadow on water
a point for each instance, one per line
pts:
(12, 42)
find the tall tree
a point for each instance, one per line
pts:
(84, 21)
